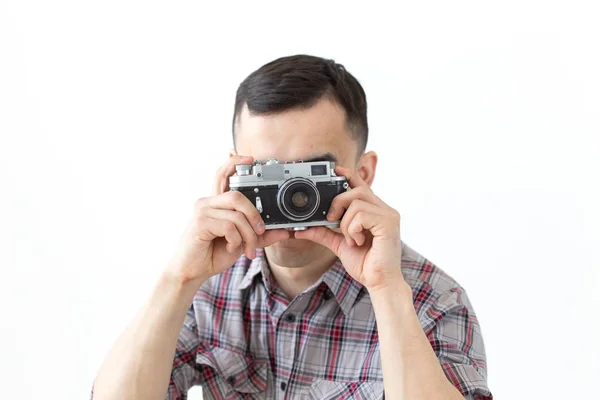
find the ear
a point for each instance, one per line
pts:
(366, 166)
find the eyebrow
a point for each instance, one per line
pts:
(322, 157)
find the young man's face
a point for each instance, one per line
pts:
(297, 135)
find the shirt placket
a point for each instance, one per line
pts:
(286, 330)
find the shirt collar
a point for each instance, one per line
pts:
(259, 264)
(343, 287)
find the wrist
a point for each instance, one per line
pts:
(179, 285)
(394, 291)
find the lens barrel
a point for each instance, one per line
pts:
(298, 199)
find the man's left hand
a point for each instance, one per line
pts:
(368, 243)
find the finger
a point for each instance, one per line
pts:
(357, 206)
(342, 201)
(221, 183)
(241, 224)
(334, 241)
(237, 201)
(234, 240)
(361, 223)
(354, 180)
(355, 234)
(272, 236)
(372, 223)
(222, 229)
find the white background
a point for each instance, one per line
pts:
(114, 116)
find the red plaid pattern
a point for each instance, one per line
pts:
(242, 338)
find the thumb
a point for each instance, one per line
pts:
(272, 236)
(323, 236)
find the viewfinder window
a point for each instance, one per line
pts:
(318, 170)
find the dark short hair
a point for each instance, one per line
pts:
(300, 81)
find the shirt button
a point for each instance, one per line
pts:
(231, 380)
(290, 318)
(282, 386)
(326, 296)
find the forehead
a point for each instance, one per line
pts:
(295, 134)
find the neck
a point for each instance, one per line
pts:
(296, 270)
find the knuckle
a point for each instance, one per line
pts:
(356, 204)
(224, 168)
(200, 224)
(197, 238)
(220, 177)
(239, 217)
(362, 190)
(236, 197)
(357, 222)
(224, 176)
(352, 206)
(199, 204)
(344, 224)
(229, 226)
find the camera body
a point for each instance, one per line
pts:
(291, 195)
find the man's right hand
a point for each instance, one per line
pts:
(223, 227)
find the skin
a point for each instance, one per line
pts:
(301, 135)
(226, 225)
(367, 242)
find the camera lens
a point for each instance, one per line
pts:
(298, 199)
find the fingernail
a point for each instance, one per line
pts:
(330, 213)
(260, 227)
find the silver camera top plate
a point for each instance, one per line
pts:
(273, 172)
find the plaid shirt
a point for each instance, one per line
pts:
(243, 339)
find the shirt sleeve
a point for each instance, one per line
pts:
(185, 373)
(455, 336)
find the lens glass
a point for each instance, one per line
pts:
(300, 199)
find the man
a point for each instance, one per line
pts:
(252, 313)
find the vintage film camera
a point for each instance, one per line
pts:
(292, 195)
